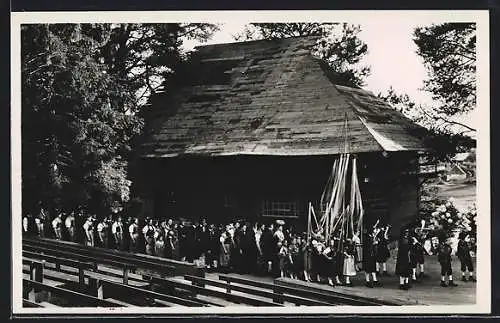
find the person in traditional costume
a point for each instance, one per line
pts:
(403, 263)
(294, 259)
(463, 253)
(416, 257)
(225, 251)
(349, 267)
(383, 253)
(57, 226)
(148, 231)
(307, 249)
(369, 259)
(444, 257)
(330, 265)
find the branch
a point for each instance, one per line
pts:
(444, 119)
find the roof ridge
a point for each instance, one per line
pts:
(246, 42)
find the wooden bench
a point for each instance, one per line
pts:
(211, 292)
(150, 264)
(80, 266)
(102, 286)
(28, 303)
(80, 299)
(125, 265)
(307, 299)
(338, 298)
(267, 291)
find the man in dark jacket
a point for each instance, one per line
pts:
(463, 253)
(403, 263)
(444, 258)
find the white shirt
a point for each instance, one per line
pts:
(87, 225)
(115, 226)
(25, 224)
(280, 235)
(132, 228)
(70, 221)
(101, 227)
(355, 239)
(56, 223)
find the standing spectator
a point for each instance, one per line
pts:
(307, 250)
(102, 233)
(148, 231)
(57, 226)
(88, 229)
(284, 258)
(369, 259)
(416, 257)
(225, 255)
(245, 243)
(213, 248)
(203, 240)
(349, 268)
(463, 253)
(258, 257)
(133, 230)
(444, 257)
(330, 262)
(319, 262)
(27, 226)
(268, 247)
(70, 224)
(160, 246)
(40, 223)
(169, 244)
(297, 262)
(175, 240)
(117, 233)
(383, 253)
(403, 262)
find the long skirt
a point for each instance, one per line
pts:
(224, 257)
(349, 266)
(307, 261)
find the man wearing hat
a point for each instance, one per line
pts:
(463, 253)
(57, 226)
(444, 257)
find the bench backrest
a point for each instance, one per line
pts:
(107, 255)
(83, 299)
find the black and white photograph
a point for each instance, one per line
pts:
(250, 162)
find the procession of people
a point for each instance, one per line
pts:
(272, 249)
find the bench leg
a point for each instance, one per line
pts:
(97, 287)
(126, 271)
(278, 295)
(81, 275)
(32, 294)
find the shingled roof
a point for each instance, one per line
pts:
(271, 97)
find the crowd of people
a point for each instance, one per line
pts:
(262, 249)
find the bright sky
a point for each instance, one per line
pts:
(391, 55)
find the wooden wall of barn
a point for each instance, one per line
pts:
(226, 188)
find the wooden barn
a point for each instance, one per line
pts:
(250, 130)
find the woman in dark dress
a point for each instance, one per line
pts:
(307, 250)
(298, 259)
(330, 262)
(403, 267)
